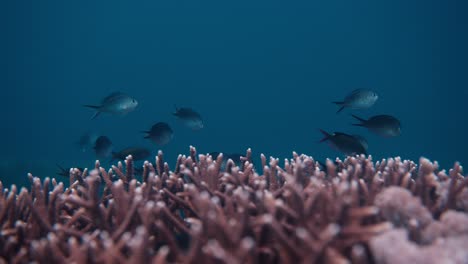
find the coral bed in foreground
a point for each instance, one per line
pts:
(353, 211)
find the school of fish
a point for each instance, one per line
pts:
(161, 133)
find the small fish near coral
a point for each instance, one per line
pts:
(382, 125)
(116, 103)
(358, 99)
(160, 133)
(345, 143)
(189, 117)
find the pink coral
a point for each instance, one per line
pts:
(199, 212)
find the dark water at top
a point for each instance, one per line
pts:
(263, 75)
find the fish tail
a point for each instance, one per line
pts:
(326, 135)
(95, 115)
(340, 104)
(96, 107)
(60, 167)
(360, 119)
(147, 134)
(62, 172)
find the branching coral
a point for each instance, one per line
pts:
(200, 212)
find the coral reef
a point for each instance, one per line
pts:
(351, 211)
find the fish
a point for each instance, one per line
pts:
(160, 133)
(86, 141)
(116, 103)
(138, 153)
(347, 144)
(382, 125)
(189, 117)
(358, 99)
(103, 147)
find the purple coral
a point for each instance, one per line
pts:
(394, 247)
(400, 207)
(200, 212)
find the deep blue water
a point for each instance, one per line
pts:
(262, 73)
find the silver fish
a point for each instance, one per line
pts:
(382, 125)
(347, 144)
(189, 117)
(358, 99)
(115, 103)
(160, 133)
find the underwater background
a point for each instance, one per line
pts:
(263, 74)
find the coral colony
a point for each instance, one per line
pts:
(354, 210)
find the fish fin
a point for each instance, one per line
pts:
(96, 107)
(62, 172)
(340, 104)
(95, 115)
(146, 132)
(358, 118)
(363, 121)
(92, 106)
(326, 135)
(60, 167)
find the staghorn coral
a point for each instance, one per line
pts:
(201, 213)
